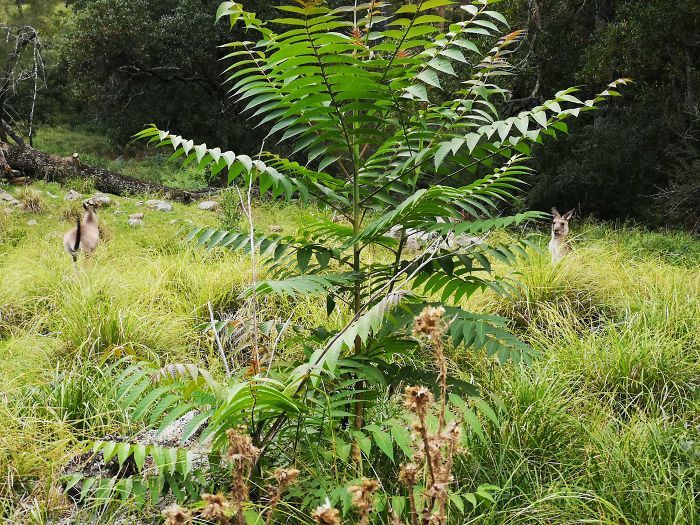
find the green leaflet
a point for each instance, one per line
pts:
(361, 105)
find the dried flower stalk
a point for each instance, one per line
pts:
(176, 515)
(327, 515)
(284, 477)
(434, 451)
(242, 455)
(216, 509)
(363, 498)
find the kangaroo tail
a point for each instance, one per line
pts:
(77, 236)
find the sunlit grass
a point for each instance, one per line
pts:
(604, 428)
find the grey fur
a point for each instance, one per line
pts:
(84, 237)
(559, 247)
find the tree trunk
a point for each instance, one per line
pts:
(603, 12)
(52, 168)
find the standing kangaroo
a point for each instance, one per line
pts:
(558, 246)
(84, 236)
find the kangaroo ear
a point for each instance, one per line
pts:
(85, 206)
(555, 213)
(568, 214)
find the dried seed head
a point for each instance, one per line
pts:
(428, 322)
(216, 507)
(409, 473)
(418, 457)
(286, 476)
(327, 515)
(418, 400)
(362, 495)
(452, 433)
(176, 515)
(240, 447)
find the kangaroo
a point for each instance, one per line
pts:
(558, 246)
(84, 236)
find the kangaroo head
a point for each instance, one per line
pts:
(560, 223)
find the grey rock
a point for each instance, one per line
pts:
(136, 216)
(9, 210)
(73, 195)
(464, 240)
(395, 232)
(139, 203)
(117, 203)
(155, 204)
(51, 195)
(32, 222)
(101, 199)
(411, 245)
(171, 436)
(135, 223)
(173, 221)
(119, 212)
(8, 199)
(275, 229)
(208, 205)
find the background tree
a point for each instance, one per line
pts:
(638, 158)
(136, 62)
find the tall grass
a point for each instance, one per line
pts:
(604, 428)
(144, 290)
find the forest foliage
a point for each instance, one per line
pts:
(637, 159)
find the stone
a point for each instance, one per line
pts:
(8, 199)
(9, 210)
(173, 221)
(139, 203)
(135, 223)
(92, 465)
(51, 195)
(411, 245)
(119, 212)
(101, 199)
(73, 195)
(32, 222)
(395, 232)
(464, 240)
(155, 204)
(136, 216)
(275, 229)
(208, 205)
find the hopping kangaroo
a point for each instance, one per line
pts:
(558, 245)
(84, 236)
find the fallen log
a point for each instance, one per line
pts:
(52, 168)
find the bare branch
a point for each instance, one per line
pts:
(13, 135)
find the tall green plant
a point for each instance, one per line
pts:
(359, 92)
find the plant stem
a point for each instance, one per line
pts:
(218, 341)
(357, 267)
